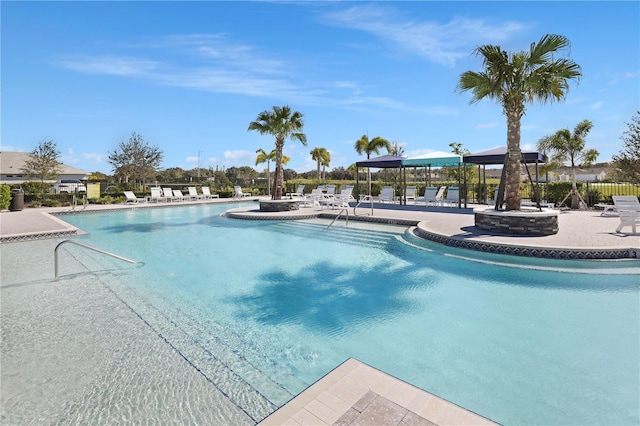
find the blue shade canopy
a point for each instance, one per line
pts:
(382, 162)
(496, 156)
(433, 159)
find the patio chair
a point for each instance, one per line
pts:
(179, 196)
(438, 198)
(131, 198)
(314, 198)
(298, 194)
(237, 192)
(429, 195)
(157, 195)
(330, 189)
(628, 208)
(167, 193)
(193, 193)
(342, 199)
(453, 197)
(206, 193)
(386, 195)
(411, 194)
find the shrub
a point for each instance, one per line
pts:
(49, 202)
(5, 197)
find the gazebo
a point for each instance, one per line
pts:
(382, 162)
(497, 156)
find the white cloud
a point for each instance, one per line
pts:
(443, 43)
(597, 105)
(239, 158)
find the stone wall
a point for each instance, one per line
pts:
(518, 223)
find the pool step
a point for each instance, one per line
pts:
(338, 232)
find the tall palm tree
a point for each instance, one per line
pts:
(567, 146)
(368, 147)
(263, 157)
(282, 124)
(320, 156)
(325, 163)
(513, 79)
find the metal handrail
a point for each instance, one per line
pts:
(365, 198)
(55, 254)
(345, 210)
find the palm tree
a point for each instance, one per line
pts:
(325, 163)
(282, 124)
(366, 146)
(566, 146)
(263, 157)
(513, 79)
(320, 155)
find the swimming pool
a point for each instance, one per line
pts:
(266, 308)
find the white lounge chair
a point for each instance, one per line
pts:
(156, 195)
(453, 197)
(429, 195)
(238, 192)
(314, 198)
(342, 199)
(193, 193)
(167, 193)
(298, 194)
(437, 199)
(131, 198)
(330, 189)
(179, 196)
(386, 195)
(628, 208)
(410, 194)
(207, 195)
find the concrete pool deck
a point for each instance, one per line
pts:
(350, 394)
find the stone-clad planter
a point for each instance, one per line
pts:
(279, 205)
(517, 222)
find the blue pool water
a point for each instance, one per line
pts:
(264, 309)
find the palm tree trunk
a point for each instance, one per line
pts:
(277, 191)
(513, 162)
(268, 180)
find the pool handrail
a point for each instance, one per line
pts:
(55, 254)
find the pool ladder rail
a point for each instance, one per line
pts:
(345, 210)
(55, 254)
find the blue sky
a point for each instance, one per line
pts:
(190, 76)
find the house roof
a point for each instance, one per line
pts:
(11, 163)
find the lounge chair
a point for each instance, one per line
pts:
(330, 189)
(206, 193)
(156, 195)
(179, 196)
(167, 193)
(453, 197)
(193, 193)
(438, 198)
(237, 192)
(628, 208)
(342, 199)
(131, 198)
(410, 194)
(386, 195)
(298, 194)
(314, 198)
(429, 195)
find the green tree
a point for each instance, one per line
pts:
(134, 159)
(263, 157)
(514, 79)
(368, 147)
(322, 157)
(43, 162)
(627, 161)
(567, 146)
(283, 124)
